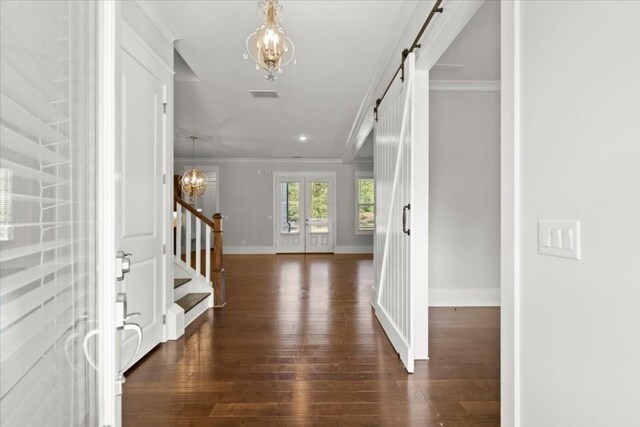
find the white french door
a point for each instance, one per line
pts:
(305, 213)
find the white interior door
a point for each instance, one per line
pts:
(140, 202)
(319, 220)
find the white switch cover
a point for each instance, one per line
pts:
(559, 238)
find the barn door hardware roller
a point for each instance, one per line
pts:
(437, 8)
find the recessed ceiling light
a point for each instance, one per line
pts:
(302, 138)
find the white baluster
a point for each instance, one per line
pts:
(208, 230)
(198, 244)
(179, 232)
(188, 237)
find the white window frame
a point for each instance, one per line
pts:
(358, 176)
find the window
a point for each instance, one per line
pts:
(365, 203)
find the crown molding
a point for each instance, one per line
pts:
(465, 85)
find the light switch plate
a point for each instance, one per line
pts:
(559, 238)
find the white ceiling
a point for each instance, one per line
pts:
(339, 45)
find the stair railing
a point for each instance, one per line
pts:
(203, 260)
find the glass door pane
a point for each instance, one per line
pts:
(290, 207)
(318, 220)
(47, 213)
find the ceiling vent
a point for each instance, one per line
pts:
(264, 93)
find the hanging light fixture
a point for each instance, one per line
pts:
(193, 182)
(269, 47)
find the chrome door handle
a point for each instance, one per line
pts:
(132, 315)
(85, 347)
(138, 330)
(123, 265)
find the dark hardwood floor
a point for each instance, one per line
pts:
(299, 345)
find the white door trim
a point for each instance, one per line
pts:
(304, 175)
(438, 37)
(108, 112)
(510, 214)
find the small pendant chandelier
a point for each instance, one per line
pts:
(269, 47)
(193, 182)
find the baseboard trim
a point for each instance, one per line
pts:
(270, 250)
(353, 249)
(249, 250)
(464, 297)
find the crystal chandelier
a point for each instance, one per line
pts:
(193, 182)
(268, 46)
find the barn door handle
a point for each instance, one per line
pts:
(404, 219)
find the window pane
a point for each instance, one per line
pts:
(366, 217)
(319, 200)
(366, 192)
(289, 207)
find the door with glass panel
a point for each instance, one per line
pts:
(48, 244)
(290, 210)
(319, 215)
(304, 214)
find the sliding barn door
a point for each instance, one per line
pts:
(400, 299)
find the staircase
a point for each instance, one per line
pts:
(198, 269)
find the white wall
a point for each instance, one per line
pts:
(580, 159)
(246, 198)
(464, 198)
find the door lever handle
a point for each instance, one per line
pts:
(138, 330)
(132, 315)
(123, 265)
(85, 347)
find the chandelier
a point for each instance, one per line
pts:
(269, 47)
(193, 182)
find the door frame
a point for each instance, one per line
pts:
(438, 37)
(436, 41)
(304, 176)
(107, 133)
(109, 24)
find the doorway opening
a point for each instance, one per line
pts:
(464, 202)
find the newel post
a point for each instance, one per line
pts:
(219, 294)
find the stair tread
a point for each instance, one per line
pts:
(189, 301)
(179, 282)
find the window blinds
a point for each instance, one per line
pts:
(47, 202)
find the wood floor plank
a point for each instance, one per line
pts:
(298, 345)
